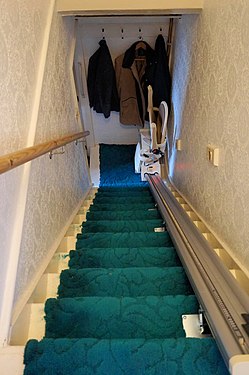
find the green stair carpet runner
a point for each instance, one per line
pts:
(120, 200)
(117, 282)
(122, 239)
(122, 226)
(124, 257)
(120, 304)
(123, 215)
(122, 206)
(118, 317)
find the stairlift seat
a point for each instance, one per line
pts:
(152, 146)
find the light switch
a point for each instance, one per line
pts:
(179, 144)
(213, 155)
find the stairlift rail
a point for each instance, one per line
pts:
(225, 304)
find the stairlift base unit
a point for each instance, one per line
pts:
(239, 365)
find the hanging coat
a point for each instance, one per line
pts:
(133, 78)
(101, 82)
(162, 80)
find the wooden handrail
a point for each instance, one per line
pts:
(15, 159)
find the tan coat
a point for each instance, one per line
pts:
(126, 79)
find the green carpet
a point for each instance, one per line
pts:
(118, 317)
(124, 257)
(123, 239)
(120, 282)
(122, 206)
(123, 215)
(123, 357)
(120, 304)
(122, 226)
(117, 200)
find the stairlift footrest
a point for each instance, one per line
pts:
(150, 168)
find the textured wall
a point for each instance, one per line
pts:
(57, 186)
(22, 26)
(211, 105)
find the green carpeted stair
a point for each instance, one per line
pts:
(122, 239)
(121, 226)
(119, 357)
(124, 215)
(121, 282)
(120, 304)
(118, 317)
(124, 257)
(122, 206)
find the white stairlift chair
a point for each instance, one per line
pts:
(149, 150)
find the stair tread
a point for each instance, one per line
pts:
(124, 357)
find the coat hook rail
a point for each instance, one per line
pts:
(103, 33)
(140, 36)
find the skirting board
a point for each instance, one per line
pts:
(11, 360)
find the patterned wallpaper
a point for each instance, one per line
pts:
(56, 186)
(22, 24)
(211, 106)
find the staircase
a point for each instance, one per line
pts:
(120, 304)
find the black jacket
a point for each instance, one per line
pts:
(101, 82)
(162, 80)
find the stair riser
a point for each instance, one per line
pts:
(121, 206)
(123, 200)
(124, 282)
(121, 226)
(137, 239)
(123, 215)
(124, 193)
(124, 257)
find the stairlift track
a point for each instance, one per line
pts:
(224, 303)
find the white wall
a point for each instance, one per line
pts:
(56, 186)
(211, 105)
